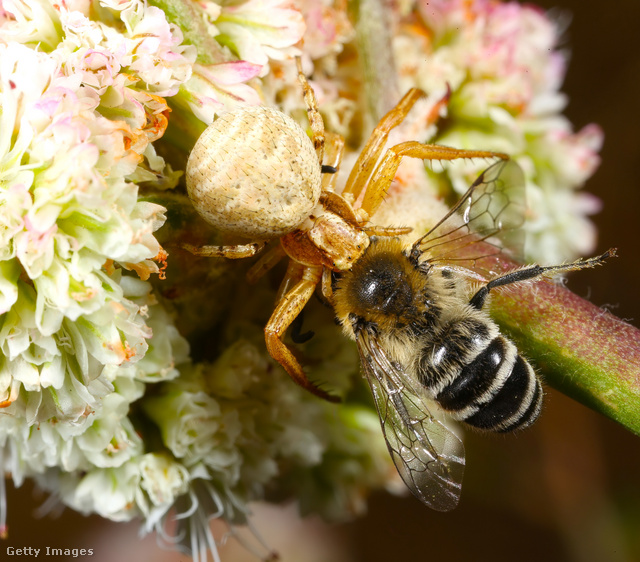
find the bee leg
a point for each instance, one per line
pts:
(230, 252)
(533, 271)
(296, 330)
(287, 308)
(386, 170)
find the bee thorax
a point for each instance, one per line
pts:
(382, 288)
(385, 291)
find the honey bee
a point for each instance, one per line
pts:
(427, 346)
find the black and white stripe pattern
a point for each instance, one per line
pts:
(478, 377)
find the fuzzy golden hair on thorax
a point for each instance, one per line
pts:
(383, 287)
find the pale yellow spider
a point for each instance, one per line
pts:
(255, 173)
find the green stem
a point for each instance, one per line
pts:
(374, 30)
(582, 350)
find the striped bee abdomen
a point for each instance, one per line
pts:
(487, 385)
(516, 405)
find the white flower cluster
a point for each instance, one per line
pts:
(236, 428)
(85, 88)
(80, 106)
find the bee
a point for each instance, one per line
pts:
(426, 344)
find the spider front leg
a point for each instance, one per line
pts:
(334, 150)
(288, 307)
(315, 119)
(323, 140)
(365, 164)
(266, 262)
(386, 170)
(236, 252)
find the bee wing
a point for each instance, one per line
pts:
(486, 221)
(427, 455)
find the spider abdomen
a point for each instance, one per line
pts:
(254, 173)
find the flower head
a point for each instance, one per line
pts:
(504, 70)
(259, 30)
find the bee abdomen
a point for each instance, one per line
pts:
(497, 391)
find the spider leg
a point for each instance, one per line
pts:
(287, 309)
(327, 289)
(230, 252)
(337, 204)
(334, 149)
(292, 277)
(315, 119)
(386, 170)
(265, 263)
(366, 162)
(374, 230)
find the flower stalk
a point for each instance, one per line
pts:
(582, 350)
(373, 36)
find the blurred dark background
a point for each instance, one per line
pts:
(603, 84)
(566, 490)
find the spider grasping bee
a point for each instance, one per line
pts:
(255, 174)
(426, 344)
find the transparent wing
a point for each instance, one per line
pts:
(486, 221)
(428, 456)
